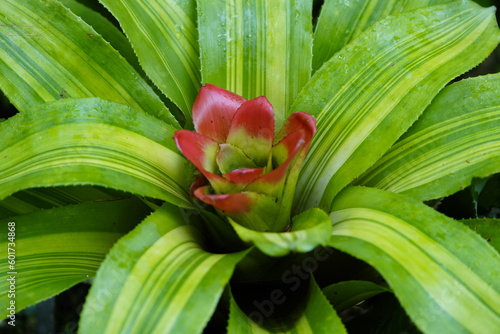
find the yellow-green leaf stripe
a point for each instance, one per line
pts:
(367, 96)
(47, 53)
(164, 36)
(92, 141)
(444, 274)
(159, 273)
(57, 248)
(255, 48)
(457, 138)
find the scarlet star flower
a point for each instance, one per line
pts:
(251, 173)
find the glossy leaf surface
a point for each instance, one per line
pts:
(383, 82)
(444, 275)
(91, 141)
(164, 37)
(58, 248)
(159, 273)
(32, 36)
(255, 48)
(457, 138)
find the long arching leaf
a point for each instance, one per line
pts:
(457, 138)
(370, 93)
(92, 141)
(342, 21)
(444, 274)
(48, 53)
(106, 29)
(164, 36)
(55, 249)
(31, 200)
(161, 275)
(257, 48)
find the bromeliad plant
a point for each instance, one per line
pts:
(240, 235)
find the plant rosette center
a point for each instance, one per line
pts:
(248, 173)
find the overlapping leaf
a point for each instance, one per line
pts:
(444, 274)
(161, 275)
(342, 21)
(55, 249)
(318, 317)
(255, 48)
(382, 82)
(308, 230)
(32, 200)
(457, 138)
(92, 141)
(345, 294)
(32, 35)
(164, 37)
(488, 228)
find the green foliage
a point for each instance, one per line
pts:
(90, 155)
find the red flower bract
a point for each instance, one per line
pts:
(251, 172)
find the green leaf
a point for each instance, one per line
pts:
(488, 228)
(55, 249)
(47, 53)
(444, 275)
(342, 21)
(348, 293)
(456, 139)
(164, 37)
(32, 200)
(367, 96)
(161, 275)
(318, 317)
(255, 48)
(106, 29)
(308, 230)
(92, 141)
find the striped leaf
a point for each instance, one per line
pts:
(456, 139)
(47, 53)
(488, 228)
(159, 274)
(370, 93)
(164, 36)
(32, 200)
(92, 141)
(106, 29)
(308, 230)
(58, 248)
(255, 48)
(444, 275)
(318, 317)
(342, 21)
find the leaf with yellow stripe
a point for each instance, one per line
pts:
(58, 248)
(318, 316)
(444, 274)
(92, 141)
(342, 21)
(47, 53)
(367, 95)
(160, 274)
(164, 36)
(457, 138)
(255, 48)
